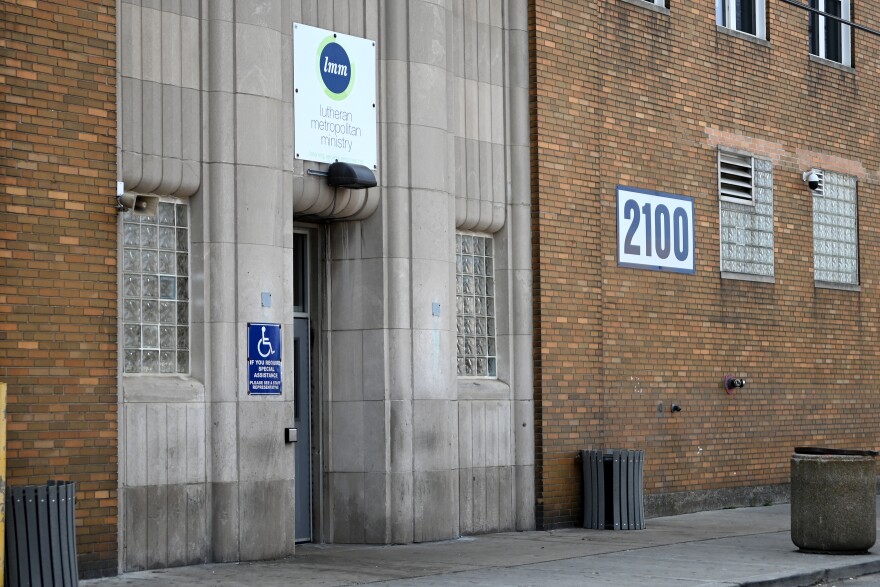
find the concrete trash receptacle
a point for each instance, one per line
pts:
(833, 500)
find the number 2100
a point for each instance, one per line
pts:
(664, 232)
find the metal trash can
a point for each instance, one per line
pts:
(614, 496)
(833, 500)
(41, 535)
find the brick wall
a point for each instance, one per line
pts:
(624, 95)
(58, 257)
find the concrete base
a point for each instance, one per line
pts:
(833, 507)
(688, 502)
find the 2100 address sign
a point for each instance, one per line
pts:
(655, 230)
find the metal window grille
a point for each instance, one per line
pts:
(735, 177)
(476, 354)
(155, 290)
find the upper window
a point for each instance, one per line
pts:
(475, 306)
(835, 229)
(662, 3)
(830, 38)
(745, 16)
(155, 290)
(745, 187)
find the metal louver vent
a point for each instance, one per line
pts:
(819, 191)
(735, 177)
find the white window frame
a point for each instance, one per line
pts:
(725, 13)
(489, 313)
(660, 3)
(845, 33)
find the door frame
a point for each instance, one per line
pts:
(315, 236)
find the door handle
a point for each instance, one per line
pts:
(289, 435)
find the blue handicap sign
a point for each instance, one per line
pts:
(264, 359)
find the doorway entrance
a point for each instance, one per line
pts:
(305, 306)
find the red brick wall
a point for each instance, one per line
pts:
(58, 257)
(622, 95)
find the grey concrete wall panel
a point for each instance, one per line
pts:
(196, 441)
(266, 519)
(435, 226)
(223, 370)
(353, 305)
(265, 14)
(347, 505)
(198, 547)
(258, 61)
(377, 521)
(400, 507)
(435, 438)
(134, 508)
(257, 132)
(224, 444)
(397, 208)
(375, 440)
(524, 477)
(434, 375)
(221, 228)
(347, 436)
(221, 262)
(224, 523)
(175, 426)
(135, 419)
(221, 64)
(258, 214)
(177, 526)
(263, 455)
(375, 358)
(157, 526)
(348, 382)
(435, 505)
(161, 51)
(401, 436)
(428, 159)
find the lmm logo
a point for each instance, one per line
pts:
(335, 68)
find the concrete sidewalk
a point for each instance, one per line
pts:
(747, 546)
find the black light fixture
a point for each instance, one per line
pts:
(351, 176)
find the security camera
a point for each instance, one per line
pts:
(731, 383)
(812, 179)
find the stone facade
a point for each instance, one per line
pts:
(403, 450)
(631, 93)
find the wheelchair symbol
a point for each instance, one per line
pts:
(264, 343)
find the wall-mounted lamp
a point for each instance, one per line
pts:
(675, 408)
(347, 175)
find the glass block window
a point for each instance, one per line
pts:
(747, 227)
(835, 230)
(475, 306)
(155, 290)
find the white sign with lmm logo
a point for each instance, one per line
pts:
(334, 100)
